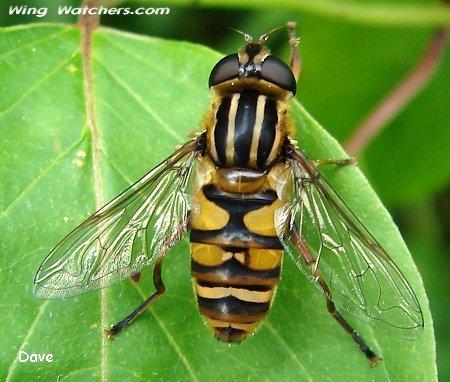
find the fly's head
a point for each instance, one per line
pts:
(254, 62)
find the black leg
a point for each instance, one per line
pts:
(160, 289)
(373, 358)
(303, 249)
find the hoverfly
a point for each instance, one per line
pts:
(246, 193)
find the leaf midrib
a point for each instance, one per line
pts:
(87, 31)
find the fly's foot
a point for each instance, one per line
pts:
(111, 333)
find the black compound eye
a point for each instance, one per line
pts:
(226, 69)
(277, 72)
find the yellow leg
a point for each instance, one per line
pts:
(295, 61)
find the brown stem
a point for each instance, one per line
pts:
(87, 21)
(394, 102)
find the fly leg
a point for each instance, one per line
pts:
(295, 61)
(160, 289)
(341, 162)
(303, 249)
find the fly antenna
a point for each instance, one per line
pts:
(247, 37)
(265, 36)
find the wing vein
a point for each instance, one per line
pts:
(362, 278)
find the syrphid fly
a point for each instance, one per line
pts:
(246, 194)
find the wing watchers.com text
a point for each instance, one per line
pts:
(69, 10)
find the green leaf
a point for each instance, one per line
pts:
(148, 94)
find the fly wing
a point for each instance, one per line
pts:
(331, 240)
(124, 236)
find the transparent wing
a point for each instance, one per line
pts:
(361, 276)
(124, 236)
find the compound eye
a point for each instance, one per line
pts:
(277, 72)
(226, 69)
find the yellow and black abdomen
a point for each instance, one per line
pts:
(236, 259)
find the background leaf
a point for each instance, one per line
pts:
(148, 94)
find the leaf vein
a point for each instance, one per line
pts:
(153, 66)
(169, 337)
(30, 331)
(34, 42)
(39, 177)
(39, 82)
(140, 102)
(308, 377)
